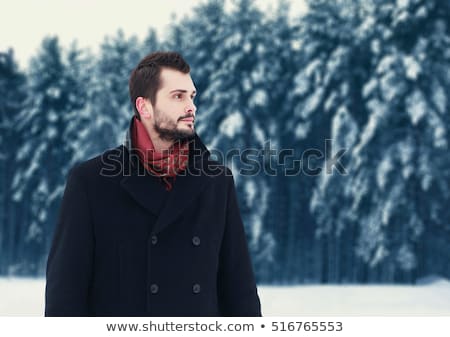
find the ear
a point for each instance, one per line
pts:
(144, 108)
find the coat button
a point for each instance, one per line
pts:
(154, 288)
(196, 241)
(196, 288)
(154, 239)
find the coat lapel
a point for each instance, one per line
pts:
(146, 190)
(185, 190)
(150, 193)
(187, 186)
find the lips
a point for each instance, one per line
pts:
(188, 120)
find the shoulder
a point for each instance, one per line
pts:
(111, 161)
(219, 174)
(212, 168)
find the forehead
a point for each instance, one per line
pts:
(171, 79)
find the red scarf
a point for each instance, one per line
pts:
(163, 164)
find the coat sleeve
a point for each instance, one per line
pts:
(236, 282)
(69, 265)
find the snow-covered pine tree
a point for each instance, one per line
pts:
(199, 39)
(109, 103)
(14, 94)
(80, 67)
(279, 58)
(333, 64)
(408, 102)
(46, 130)
(151, 42)
(398, 182)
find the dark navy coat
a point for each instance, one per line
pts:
(124, 246)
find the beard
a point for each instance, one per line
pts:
(168, 130)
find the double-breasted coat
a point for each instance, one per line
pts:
(124, 246)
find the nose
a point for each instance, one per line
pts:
(191, 108)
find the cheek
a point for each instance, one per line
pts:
(168, 119)
(174, 113)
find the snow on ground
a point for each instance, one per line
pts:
(21, 297)
(354, 300)
(25, 297)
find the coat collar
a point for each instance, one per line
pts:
(149, 192)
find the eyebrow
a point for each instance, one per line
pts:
(183, 91)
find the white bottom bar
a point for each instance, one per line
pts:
(239, 326)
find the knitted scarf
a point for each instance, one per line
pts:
(166, 164)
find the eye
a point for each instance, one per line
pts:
(177, 96)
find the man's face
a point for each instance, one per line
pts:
(174, 110)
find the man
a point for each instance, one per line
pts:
(152, 228)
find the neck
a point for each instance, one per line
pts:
(159, 144)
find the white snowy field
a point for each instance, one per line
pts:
(25, 297)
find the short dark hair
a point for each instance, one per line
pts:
(145, 78)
